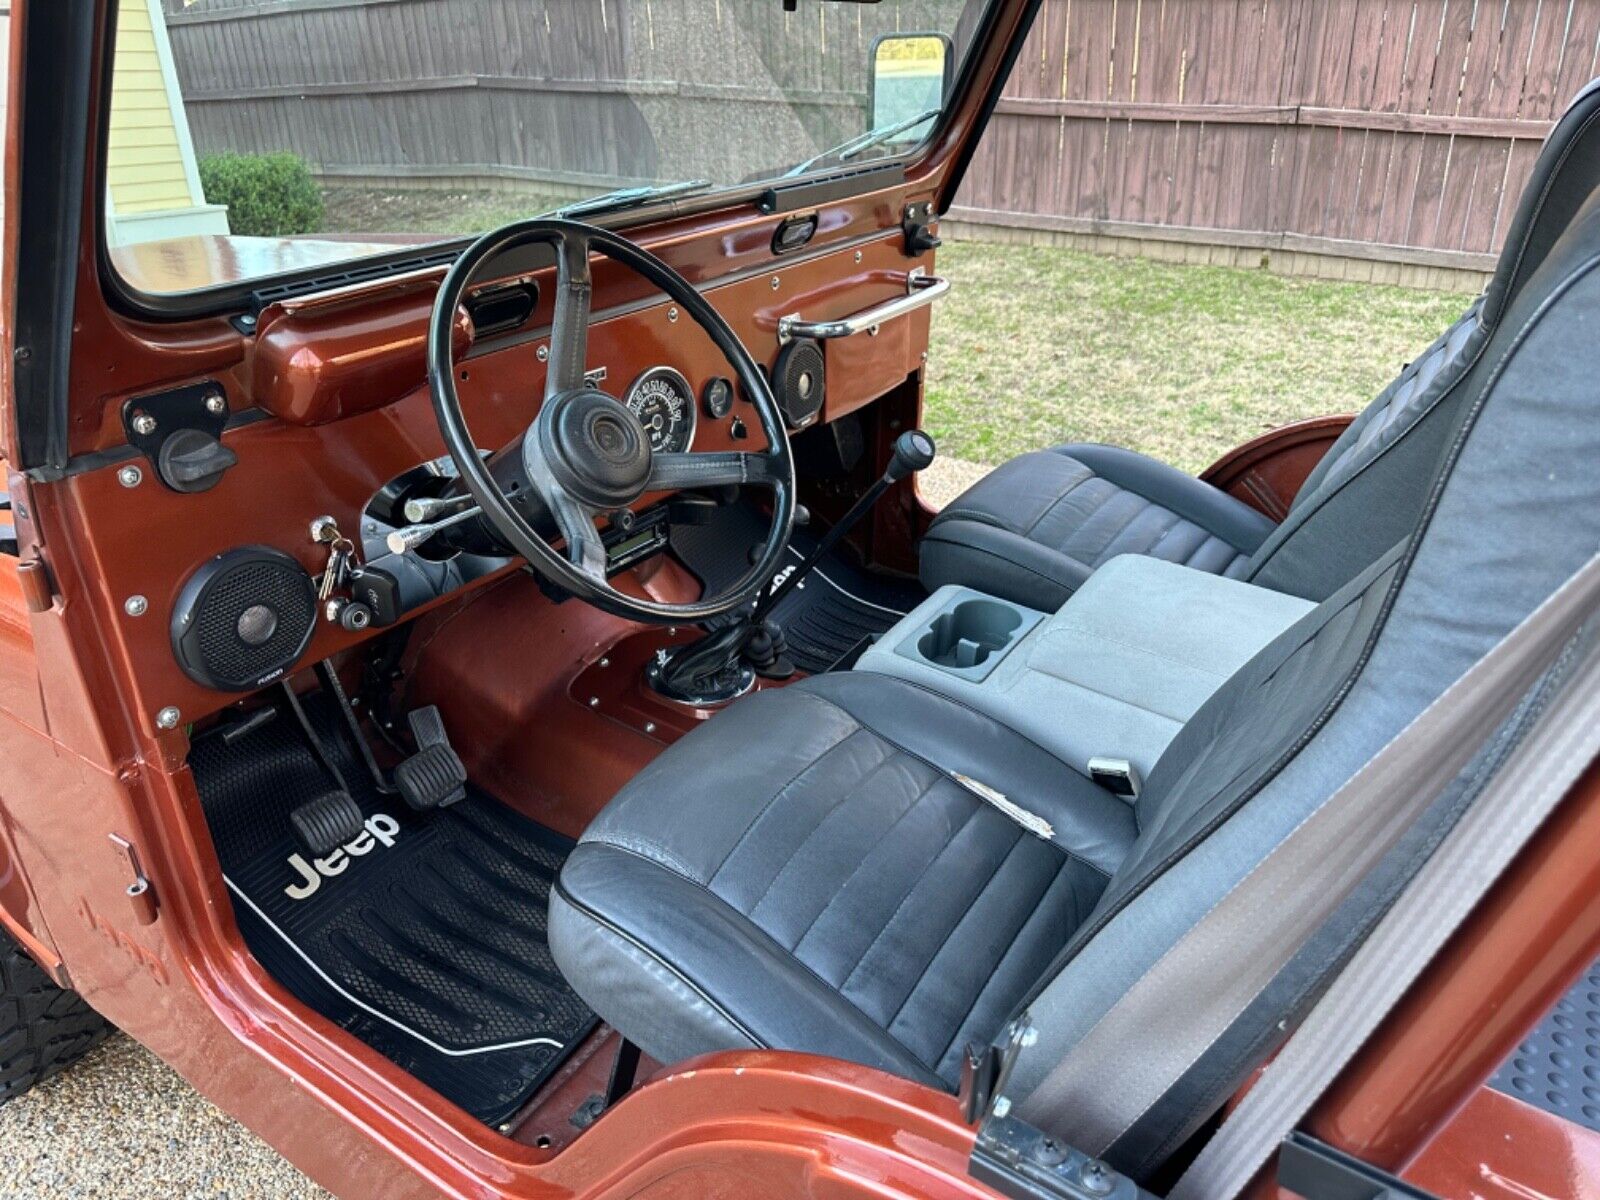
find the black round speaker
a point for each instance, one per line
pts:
(797, 382)
(244, 618)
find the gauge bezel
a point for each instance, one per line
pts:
(705, 397)
(692, 405)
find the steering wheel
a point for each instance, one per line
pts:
(586, 454)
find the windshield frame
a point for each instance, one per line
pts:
(239, 298)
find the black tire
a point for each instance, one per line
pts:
(43, 1028)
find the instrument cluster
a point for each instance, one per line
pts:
(664, 403)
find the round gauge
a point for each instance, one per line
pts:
(664, 403)
(717, 396)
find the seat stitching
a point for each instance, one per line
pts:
(1037, 910)
(1062, 498)
(843, 887)
(602, 921)
(1544, 195)
(843, 798)
(799, 962)
(961, 919)
(1167, 532)
(911, 891)
(1325, 494)
(795, 778)
(1021, 737)
(1102, 555)
(1021, 566)
(977, 515)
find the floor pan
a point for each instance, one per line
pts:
(425, 938)
(822, 619)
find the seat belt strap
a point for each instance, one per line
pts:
(1194, 993)
(1495, 827)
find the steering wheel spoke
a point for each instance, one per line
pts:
(672, 472)
(569, 329)
(585, 550)
(580, 457)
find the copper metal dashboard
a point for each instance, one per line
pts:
(323, 455)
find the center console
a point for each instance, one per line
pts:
(1113, 675)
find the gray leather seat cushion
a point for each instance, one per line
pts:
(833, 888)
(1035, 529)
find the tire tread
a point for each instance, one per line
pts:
(43, 1028)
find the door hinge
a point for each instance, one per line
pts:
(38, 588)
(141, 895)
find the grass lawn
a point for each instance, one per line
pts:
(1037, 346)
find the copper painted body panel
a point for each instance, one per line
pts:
(80, 682)
(1267, 472)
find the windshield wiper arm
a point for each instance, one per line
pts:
(628, 197)
(863, 142)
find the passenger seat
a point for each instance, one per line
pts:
(1037, 527)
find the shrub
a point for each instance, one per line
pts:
(268, 195)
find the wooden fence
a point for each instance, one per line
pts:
(580, 92)
(1395, 130)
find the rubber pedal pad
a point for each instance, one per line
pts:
(434, 776)
(431, 778)
(322, 825)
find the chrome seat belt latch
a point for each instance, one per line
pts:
(1117, 775)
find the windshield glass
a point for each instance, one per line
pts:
(255, 137)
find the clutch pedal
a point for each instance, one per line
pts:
(434, 776)
(322, 825)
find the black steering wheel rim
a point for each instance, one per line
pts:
(580, 572)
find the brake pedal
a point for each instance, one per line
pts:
(322, 825)
(434, 776)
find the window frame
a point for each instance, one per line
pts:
(239, 298)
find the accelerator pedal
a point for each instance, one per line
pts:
(433, 777)
(322, 825)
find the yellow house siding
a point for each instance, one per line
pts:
(144, 164)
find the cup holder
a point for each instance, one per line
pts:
(969, 633)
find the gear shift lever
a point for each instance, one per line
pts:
(713, 668)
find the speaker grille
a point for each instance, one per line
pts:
(799, 379)
(221, 634)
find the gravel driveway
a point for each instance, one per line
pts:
(122, 1123)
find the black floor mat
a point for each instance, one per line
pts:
(1557, 1067)
(425, 938)
(839, 604)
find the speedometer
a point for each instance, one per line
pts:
(664, 403)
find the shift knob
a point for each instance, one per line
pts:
(913, 451)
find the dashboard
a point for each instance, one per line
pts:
(328, 409)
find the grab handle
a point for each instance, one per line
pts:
(922, 290)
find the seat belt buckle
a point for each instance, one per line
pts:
(1117, 775)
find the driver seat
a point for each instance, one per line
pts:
(808, 871)
(859, 867)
